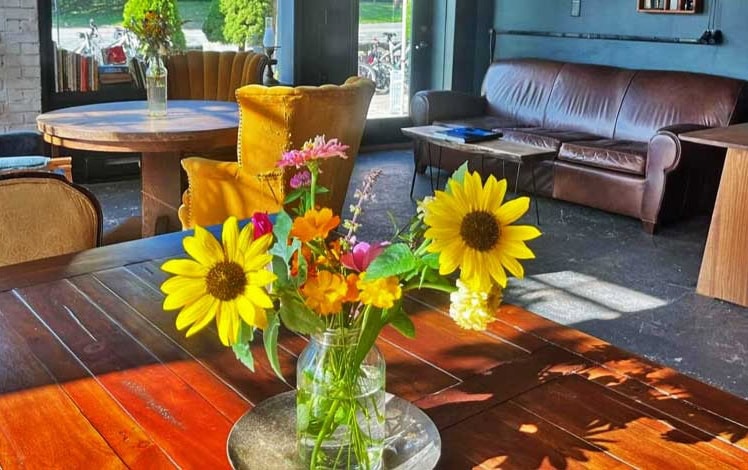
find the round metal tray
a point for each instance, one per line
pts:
(265, 437)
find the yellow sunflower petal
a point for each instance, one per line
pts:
(245, 237)
(258, 297)
(493, 193)
(175, 283)
(193, 312)
(512, 265)
(515, 249)
(182, 297)
(207, 317)
(185, 267)
(511, 211)
(251, 314)
(230, 237)
(519, 232)
(206, 246)
(499, 275)
(225, 323)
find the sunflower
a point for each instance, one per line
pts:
(471, 229)
(224, 282)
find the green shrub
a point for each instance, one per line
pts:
(136, 10)
(214, 23)
(245, 20)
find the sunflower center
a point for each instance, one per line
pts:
(226, 280)
(480, 230)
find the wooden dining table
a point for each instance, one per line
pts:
(191, 127)
(94, 375)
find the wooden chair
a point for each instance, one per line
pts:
(42, 215)
(211, 75)
(22, 151)
(274, 120)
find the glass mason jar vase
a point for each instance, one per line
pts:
(155, 77)
(340, 412)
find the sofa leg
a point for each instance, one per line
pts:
(649, 227)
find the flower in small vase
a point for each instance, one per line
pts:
(380, 293)
(301, 179)
(314, 224)
(262, 224)
(474, 310)
(361, 256)
(471, 229)
(325, 293)
(224, 281)
(314, 149)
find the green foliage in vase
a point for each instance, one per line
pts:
(135, 12)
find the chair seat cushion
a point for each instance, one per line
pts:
(624, 156)
(481, 122)
(17, 163)
(545, 138)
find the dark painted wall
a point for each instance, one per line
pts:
(621, 17)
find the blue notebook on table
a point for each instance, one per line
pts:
(467, 135)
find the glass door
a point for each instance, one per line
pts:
(386, 55)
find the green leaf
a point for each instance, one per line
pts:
(458, 175)
(282, 226)
(294, 195)
(280, 269)
(322, 190)
(431, 260)
(402, 322)
(370, 329)
(270, 339)
(242, 348)
(394, 260)
(297, 316)
(303, 268)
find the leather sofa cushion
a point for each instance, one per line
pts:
(481, 122)
(623, 156)
(545, 138)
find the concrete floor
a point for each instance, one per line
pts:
(595, 271)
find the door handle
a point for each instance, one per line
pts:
(422, 45)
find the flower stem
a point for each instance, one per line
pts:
(314, 171)
(323, 432)
(430, 285)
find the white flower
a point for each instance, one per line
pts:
(474, 310)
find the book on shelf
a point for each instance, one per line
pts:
(75, 72)
(467, 135)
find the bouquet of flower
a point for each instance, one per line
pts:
(154, 33)
(342, 291)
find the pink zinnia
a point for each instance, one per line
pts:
(362, 255)
(301, 179)
(314, 149)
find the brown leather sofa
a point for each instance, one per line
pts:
(615, 131)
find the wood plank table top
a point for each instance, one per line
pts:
(735, 136)
(498, 148)
(93, 374)
(190, 125)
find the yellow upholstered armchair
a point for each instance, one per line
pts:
(212, 75)
(275, 120)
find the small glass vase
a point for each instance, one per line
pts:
(155, 77)
(340, 411)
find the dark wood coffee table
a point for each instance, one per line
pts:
(502, 150)
(94, 374)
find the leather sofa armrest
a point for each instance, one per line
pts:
(668, 154)
(21, 143)
(436, 105)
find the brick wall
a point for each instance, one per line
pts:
(20, 82)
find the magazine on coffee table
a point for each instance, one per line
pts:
(467, 135)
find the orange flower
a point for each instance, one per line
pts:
(314, 224)
(325, 293)
(352, 294)
(306, 252)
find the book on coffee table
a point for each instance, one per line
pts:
(467, 135)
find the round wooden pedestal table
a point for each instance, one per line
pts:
(191, 127)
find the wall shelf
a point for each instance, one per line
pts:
(670, 7)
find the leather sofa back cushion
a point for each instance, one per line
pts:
(587, 98)
(657, 99)
(520, 89)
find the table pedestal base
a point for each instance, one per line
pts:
(724, 268)
(161, 192)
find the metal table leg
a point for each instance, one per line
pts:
(416, 147)
(535, 193)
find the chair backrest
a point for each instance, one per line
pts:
(42, 215)
(275, 120)
(212, 75)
